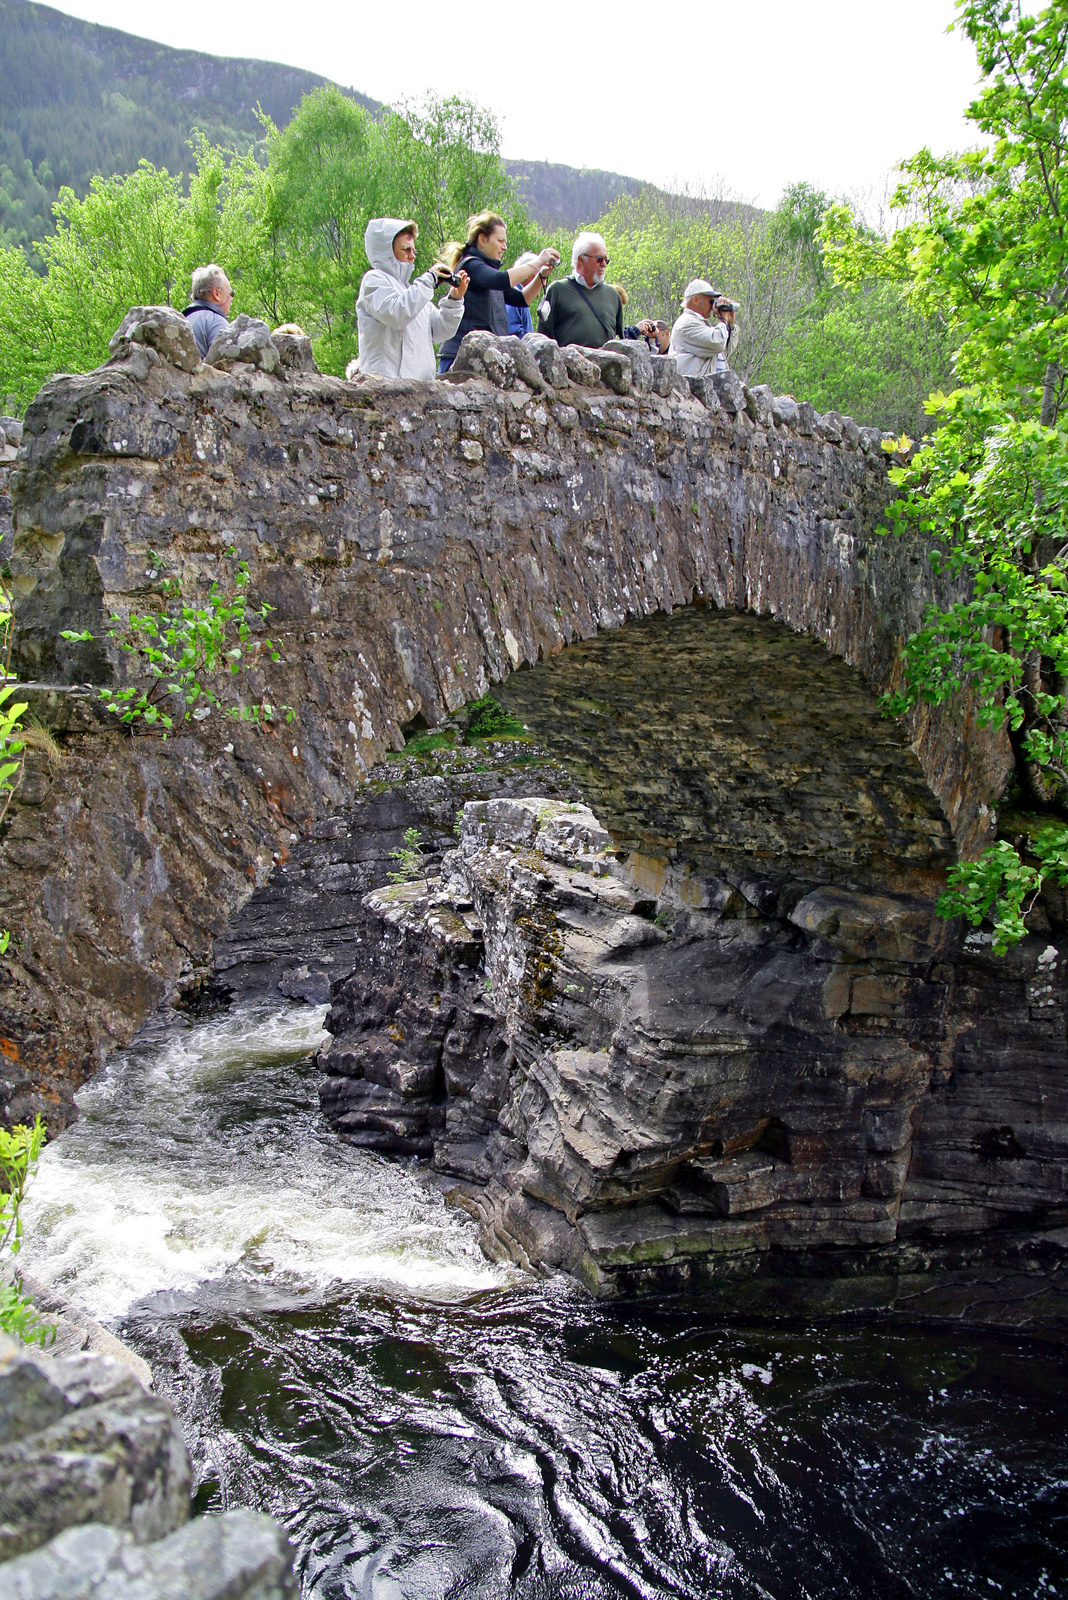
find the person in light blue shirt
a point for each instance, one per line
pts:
(209, 313)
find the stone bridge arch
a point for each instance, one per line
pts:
(418, 543)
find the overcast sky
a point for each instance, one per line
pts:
(756, 96)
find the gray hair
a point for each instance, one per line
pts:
(205, 279)
(581, 247)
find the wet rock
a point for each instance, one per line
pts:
(238, 1556)
(246, 340)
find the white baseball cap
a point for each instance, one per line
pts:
(699, 286)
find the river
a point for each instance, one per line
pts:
(428, 1425)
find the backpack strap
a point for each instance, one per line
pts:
(581, 287)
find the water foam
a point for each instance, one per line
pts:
(204, 1158)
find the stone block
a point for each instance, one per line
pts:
(641, 362)
(730, 392)
(482, 355)
(526, 364)
(161, 329)
(847, 428)
(665, 374)
(550, 359)
(760, 404)
(614, 369)
(580, 369)
(827, 428)
(294, 348)
(785, 411)
(239, 1556)
(704, 389)
(12, 429)
(806, 418)
(246, 341)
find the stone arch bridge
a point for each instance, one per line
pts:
(417, 543)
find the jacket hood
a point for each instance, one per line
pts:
(378, 242)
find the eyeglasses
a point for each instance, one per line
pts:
(600, 261)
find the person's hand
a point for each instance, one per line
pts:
(647, 326)
(458, 290)
(549, 257)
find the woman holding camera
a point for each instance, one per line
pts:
(492, 287)
(397, 322)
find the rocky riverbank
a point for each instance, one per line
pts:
(94, 1494)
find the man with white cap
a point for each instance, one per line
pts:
(698, 339)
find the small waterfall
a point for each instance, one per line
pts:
(201, 1158)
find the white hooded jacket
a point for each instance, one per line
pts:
(699, 346)
(398, 323)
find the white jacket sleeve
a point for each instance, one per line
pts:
(693, 336)
(385, 300)
(445, 318)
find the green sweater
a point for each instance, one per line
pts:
(570, 317)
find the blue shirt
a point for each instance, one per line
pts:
(206, 320)
(520, 320)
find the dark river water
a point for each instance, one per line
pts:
(427, 1425)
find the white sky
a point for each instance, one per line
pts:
(757, 95)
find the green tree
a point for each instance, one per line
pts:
(984, 245)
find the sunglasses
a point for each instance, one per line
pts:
(600, 261)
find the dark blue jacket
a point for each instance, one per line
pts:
(484, 303)
(206, 320)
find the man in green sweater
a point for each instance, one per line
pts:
(583, 309)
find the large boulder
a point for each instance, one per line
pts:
(245, 340)
(82, 1441)
(240, 1556)
(157, 328)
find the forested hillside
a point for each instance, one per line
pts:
(77, 99)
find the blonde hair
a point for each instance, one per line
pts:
(477, 227)
(622, 293)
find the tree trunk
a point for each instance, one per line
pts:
(1051, 394)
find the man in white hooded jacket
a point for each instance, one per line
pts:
(397, 322)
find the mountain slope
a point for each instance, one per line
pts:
(77, 99)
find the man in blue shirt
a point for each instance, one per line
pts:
(212, 299)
